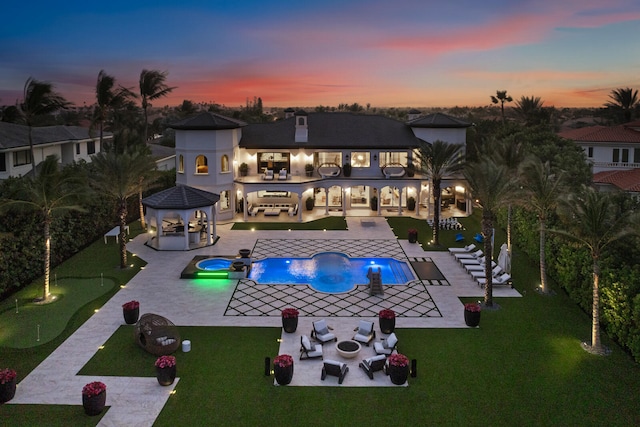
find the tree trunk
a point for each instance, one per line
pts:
(143, 224)
(543, 263)
(487, 233)
(122, 216)
(32, 151)
(509, 211)
(596, 346)
(47, 257)
(436, 211)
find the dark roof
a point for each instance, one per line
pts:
(181, 197)
(438, 120)
(332, 131)
(207, 121)
(602, 134)
(14, 135)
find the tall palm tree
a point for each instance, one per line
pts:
(117, 175)
(49, 193)
(595, 222)
(542, 192)
(529, 109)
(438, 161)
(501, 97)
(39, 99)
(152, 87)
(492, 186)
(108, 99)
(625, 99)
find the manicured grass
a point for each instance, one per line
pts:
(328, 223)
(48, 415)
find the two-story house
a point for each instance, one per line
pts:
(330, 161)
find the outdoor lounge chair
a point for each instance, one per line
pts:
(282, 175)
(472, 255)
(478, 238)
(495, 272)
(459, 237)
(504, 279)
(308, 350)
(321, 332)
(268, 175)
(477, 267)
(373, 364)
(387, 346)
(365, 333)
(466, 249)
(336, 369)
(472, 261)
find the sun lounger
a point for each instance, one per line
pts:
(466, 249)
(505, 279)
(472, 255)
(497, 271)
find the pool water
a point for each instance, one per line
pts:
(330, 272)
(212, 264)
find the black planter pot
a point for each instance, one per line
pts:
(472, 318)
(166, 376)
(244, 253)
(398, 374)
(131, 316)
(289, 324)
(387, 325)
(413, 237)
(94, 405)
(237, 265)
(7, 391)
(283, 375)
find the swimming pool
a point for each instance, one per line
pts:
(330, 272)
(212, 264)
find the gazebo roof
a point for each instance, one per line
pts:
(207, 121)
(181, 197)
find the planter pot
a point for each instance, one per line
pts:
(237, 265)
(387, 325)
(283, 375)
(289, 324)
(94, 405)
(398, 374)
(244, 253)
(7, 391)
(413, 237)
(166, 376)
(131, 316)
(472, 318)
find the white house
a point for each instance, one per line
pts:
(338, 161)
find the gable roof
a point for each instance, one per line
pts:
(207, 121)
(627, 180)
(602, 134)
(438, 120)
(13, 135)
(332, 131)
(181, 197)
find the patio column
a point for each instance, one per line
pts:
(379, 201)
(244, 207)
(400, 201)
(418, 198)
(344, 201)
(326, 201)
(299, 214)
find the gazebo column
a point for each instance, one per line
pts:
(378, 195)
(344, 201)
(326, 201)
(400, 200)
(418, 197)
(185, 220)
(299, 213)
(245, 206)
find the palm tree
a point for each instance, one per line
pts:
(529, 109)
(39, 99)
(49, 193)
(595, 222)
(438, 161)
(108, 99)
(152, 86)
(117, 175)
(542, 191)
(624, 99)
(493, 188)
(501, 97)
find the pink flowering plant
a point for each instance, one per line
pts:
(473, 307)
(283, 361)
(93, 389)
(413, 231)
(399, 360)
(289, 313)
(387, 314)
(7, 375)
(131, 305)
(165, 362)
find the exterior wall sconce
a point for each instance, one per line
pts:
(375, 157)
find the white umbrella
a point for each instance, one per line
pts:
(503, 259)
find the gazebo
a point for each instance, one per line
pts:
(181, 218)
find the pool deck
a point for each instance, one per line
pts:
(138, 401)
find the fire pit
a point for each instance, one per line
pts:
(348, 348)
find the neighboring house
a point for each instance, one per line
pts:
(337, 161)
(69, 143)
(619, 180)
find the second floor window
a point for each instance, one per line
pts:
(393, 157)
(224, 163)
(181, 164)
(201, 164)
(360, 159)
(21, 158)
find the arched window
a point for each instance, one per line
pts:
(224, 163)
(181, 164)
(300, 121)
(201, 164)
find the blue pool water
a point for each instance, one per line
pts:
(330, 272)
(212, 264)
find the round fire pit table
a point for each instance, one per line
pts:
(348, 348)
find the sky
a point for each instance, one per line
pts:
(403, 53)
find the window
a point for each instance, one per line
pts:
(3, 163)
(590, 152)
(393, 157)
(91, 147)
(225, 200)
(361, 159)
(78, 148)
(181, 164)
(625, 155)
(21, 158)
(201, 165)
(330, 157)
(224, 163)
(616, 155)
(636, 155)
(273, 161)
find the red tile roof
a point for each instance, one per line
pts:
(627, 180)
(602, 134)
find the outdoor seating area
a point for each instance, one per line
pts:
(157, 335)
(272, 209)
(447, 224)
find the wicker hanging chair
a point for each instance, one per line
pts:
(157, 334)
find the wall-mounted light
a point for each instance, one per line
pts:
(375, 157)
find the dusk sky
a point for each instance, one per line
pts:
(405, 53)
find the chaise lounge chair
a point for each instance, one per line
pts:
(282, 175)
(373, 364)
(466, 250)
(477, 274)
(505, 279)
(473, 255)
(365, 333)
(336, 369)
(387, 346)
(321, 332)
(268, 175)
(308, 350)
